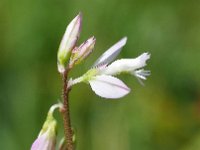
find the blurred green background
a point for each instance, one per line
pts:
(162, 115)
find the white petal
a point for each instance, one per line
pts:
(108, 87)
(141, 60)
(111, 53)
(126, 65)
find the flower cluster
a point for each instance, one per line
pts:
(101, 75)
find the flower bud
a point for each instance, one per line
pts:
(47, 137)
(68, 42)
(83, 51)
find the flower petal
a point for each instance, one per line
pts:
(108, 87)
(111, 53)
(125, 65)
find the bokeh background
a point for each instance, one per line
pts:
(162, 115)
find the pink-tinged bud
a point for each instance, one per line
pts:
(44, 142)
(83, 51)
(68, 42)
(46, 139)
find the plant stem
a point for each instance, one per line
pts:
(66, 111)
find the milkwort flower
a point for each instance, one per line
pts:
(101, 75)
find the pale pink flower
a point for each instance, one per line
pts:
(100, 76)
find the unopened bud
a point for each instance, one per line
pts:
(83, 51)
(68, 42)
(46, 139)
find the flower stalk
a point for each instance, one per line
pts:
(66, 111)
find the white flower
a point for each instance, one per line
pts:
(101, 79)
(68, 42)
